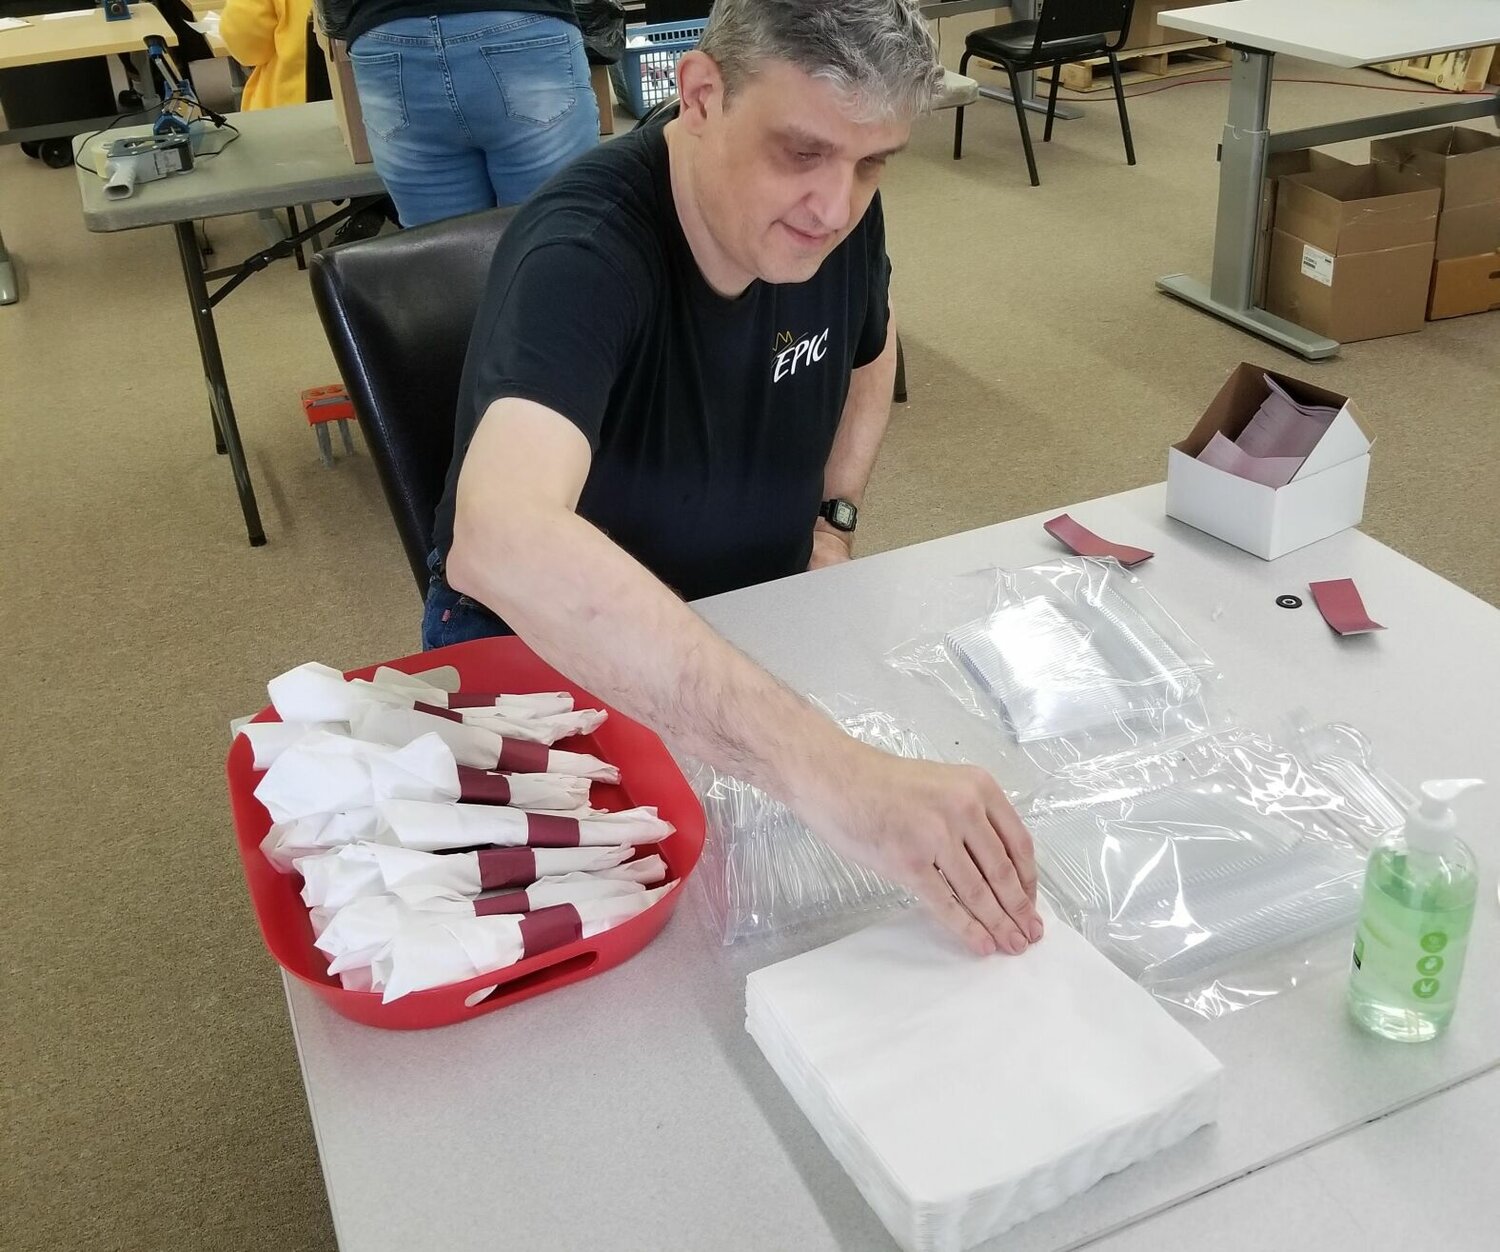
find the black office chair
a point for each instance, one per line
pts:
(398, 311)
(1064, 30)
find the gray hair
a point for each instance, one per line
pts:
(879, 53)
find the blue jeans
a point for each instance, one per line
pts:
(472, 110)
(453, 618)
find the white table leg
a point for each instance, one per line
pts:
(1242, 172)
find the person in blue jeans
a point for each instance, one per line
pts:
(467, 106)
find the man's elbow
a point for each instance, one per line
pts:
(488, 542)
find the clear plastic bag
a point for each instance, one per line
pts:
(763, 871)
(1074, 658)
(1210, 871)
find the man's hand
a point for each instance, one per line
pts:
(947, 832)
(830, 547)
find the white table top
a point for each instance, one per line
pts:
(90, 35)
(632, 1111)
(1346, 32)
(290, 155)
(1367, 1191)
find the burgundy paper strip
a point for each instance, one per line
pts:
(1340, 604)
(549, 928)
(1084, 542)
(470, 700)
(519, 757)
(479, 786)
(509, 902)
(506, 867)
(548, 830)
(436, 710)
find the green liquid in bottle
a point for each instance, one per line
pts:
(1413, 934)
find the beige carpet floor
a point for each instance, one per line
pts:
(151, 1091)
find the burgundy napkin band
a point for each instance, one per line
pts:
(548, 830)
(437, 710)
(1080, 539)
(1339, 602)
(549, 928)
(471, 700)
(519, 757)
(506, 902)
(506, 867)
(478, 786)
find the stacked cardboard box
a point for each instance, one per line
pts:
(1351, 251)
(1464, 165)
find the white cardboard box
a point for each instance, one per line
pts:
(1327, 494)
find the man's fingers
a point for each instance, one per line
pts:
(933, 890)
(1003, 878)
(979, 898)
(1012, 830)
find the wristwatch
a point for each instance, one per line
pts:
(840, 514)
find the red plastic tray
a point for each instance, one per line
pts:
(649, 776)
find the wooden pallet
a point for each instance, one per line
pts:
(1142, 65)
(1464, 70)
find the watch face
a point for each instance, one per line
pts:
(843, 515)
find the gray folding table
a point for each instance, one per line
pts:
(289, 155)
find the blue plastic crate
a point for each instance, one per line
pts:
(644, 77)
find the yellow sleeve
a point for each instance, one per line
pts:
(248, 28)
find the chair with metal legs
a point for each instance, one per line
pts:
(1064, 30)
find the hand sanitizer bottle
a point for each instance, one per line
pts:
(1420, 887)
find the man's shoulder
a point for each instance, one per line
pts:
(605, 203)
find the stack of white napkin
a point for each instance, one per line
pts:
(964, 1095)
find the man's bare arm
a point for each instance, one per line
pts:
(867, 412)
(594, 612)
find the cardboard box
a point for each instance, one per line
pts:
(1465, 165)
(1464, 285)
(1278, 166)
(1326, 496)
(1146, 29)
(346, 99)
(1351, 251)
(599, 81)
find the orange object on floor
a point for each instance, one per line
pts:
(328, 404)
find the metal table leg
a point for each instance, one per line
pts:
(10, 291)
(220, 404)
(1242, 171)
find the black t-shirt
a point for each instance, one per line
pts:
(710, 419)
(366, 15)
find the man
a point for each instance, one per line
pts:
(677, 385)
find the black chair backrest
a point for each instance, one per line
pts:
(1078, 19)
(398, 310)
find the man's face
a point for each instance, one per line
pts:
(785, 172)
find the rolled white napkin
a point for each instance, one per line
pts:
(327, 773)
(313, 692)
(478, 746)
(268, 740)
(457, 948)
(286, 842)
(434, 827)
(354, 933)
(336, 877)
